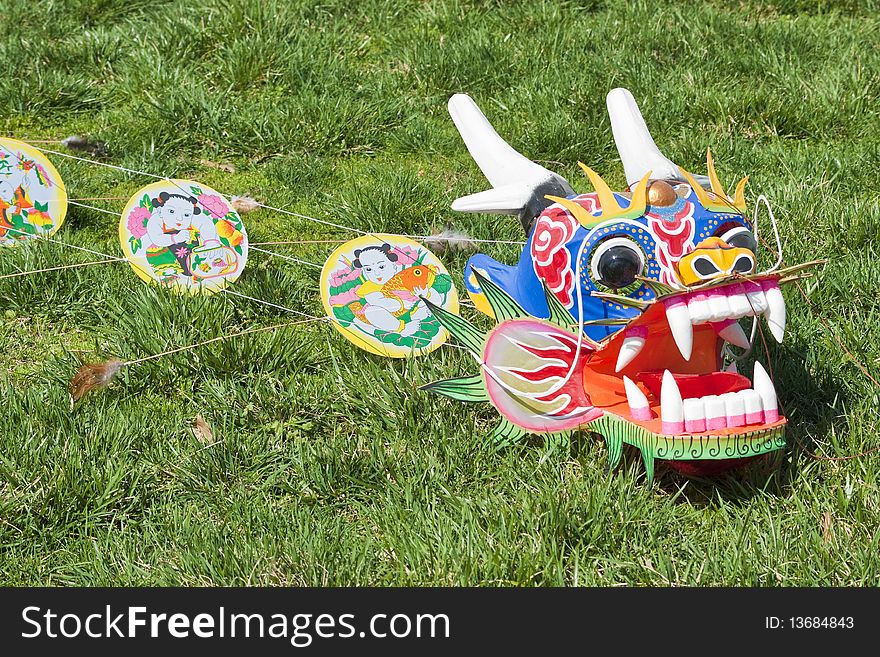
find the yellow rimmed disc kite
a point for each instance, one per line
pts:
(33, 200)
(372, 286)
(183, 235)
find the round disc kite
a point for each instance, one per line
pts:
(371, 288)
(184, 235)
(33, 201)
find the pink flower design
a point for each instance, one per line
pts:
(214, 204)
(181, 252)
(406, 255)
(137, 222)
(344, 275)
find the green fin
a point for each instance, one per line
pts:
(614, 445)
(502, 304)
(558, 439)
(463, 331)
(507, 433)
(648, 458)
(559, 315)
(464, 388)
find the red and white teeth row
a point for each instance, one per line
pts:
(757, 405)
(721, 307)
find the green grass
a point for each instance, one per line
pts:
(328, 466)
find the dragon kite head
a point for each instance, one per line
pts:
(616, 315)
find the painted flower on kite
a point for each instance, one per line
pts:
(344, 275)
(137, 222)
(25, 164)
(214, 205)
(406, 255)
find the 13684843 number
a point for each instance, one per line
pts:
(821, 622)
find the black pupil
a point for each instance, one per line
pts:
(618, 267)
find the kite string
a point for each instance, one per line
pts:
(74, 266)
(92, 207)
(172, 181)
(226, 290)
(285, 257)
(763, 199)
(68, 244)
(263, 205)
(115, 258)
(238, 334)
(111, 258)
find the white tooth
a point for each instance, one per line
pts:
(739, 306)
(671, 407)
(632, 345)
(681, 328)
(698, 309)
(718, 307)
(735, 335)
(694, 414)
(732, 368)
(752, 401)
(734, 409)
(638, 403)
(694, 408)
(764, 387)
(757, 300)
(715, 413)
(775, 312)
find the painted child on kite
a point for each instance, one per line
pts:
(378, 293)
(182, 239)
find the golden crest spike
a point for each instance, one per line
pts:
(739, 197)
(609, 204)
(705, 200)
(578, 211)
(639, 198)
(717, 187)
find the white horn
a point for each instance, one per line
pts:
(636, 147)
(518, 184)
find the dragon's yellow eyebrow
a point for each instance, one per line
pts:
(608, 203)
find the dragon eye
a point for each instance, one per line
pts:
(740, 237)
(616, 263)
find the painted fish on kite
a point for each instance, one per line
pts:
(372, 288)
(616, 315)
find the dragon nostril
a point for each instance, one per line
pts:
(705, 267)
(743, 265)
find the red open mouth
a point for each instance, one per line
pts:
(663, 371)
